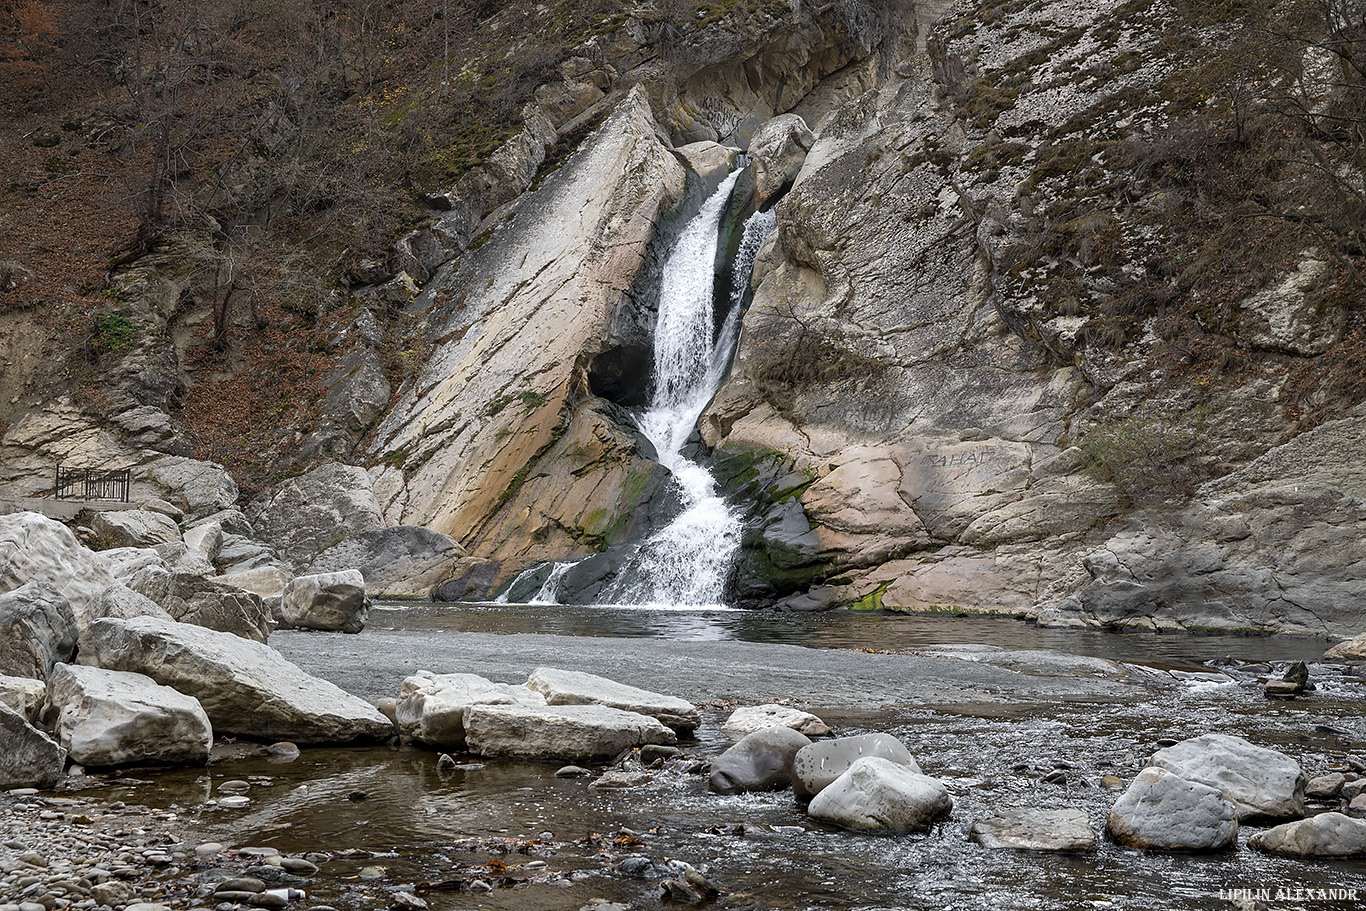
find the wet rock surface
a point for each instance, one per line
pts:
(1163, 812)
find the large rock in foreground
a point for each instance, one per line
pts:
(1036, 830)
(877, 795)
(113, 718)
(29, 759)
(34, 548)
(818, 765)
(37, 629)
(401, 561)
(761, 761)
(1260, 783)
(558, 732)
(1325, 835)
(1161, 812)
(431, 707)
(246, 688)
(577, 688)
(326, 601)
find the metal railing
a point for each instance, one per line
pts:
(93, 483)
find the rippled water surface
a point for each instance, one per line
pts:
(435, 827)
(837, 629)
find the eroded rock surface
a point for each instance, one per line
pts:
(109, 718)
(1163, 812)
(878, 795)
(245, 687)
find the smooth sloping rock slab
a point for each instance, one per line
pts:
(1260, 783)
(23, 694)
(431, 707)
(326, 601)
(34, 548)
(245, 687)
(750, 718)
(1325, 835)
(134, 528)
(761, 761)
(29, 758)
(878, 795)
(191, 598)
(558, 732)
(819, 764)
(1062, 829)
(400, 561)
(1162, 812)
(37, 629)
(561, 687)
(113, 718)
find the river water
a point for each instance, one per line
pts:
(549, 843)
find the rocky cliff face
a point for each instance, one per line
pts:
(1053, 323)
(948, 309)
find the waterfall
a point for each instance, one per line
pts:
(688, 561)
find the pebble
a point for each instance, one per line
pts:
(298, 866)
(572, 771)
(444, 762)
(234, 803)
(268, 900)
(241, 884)
(209, 849)
(234, 784)
(407, 901)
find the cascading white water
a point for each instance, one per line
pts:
(687, 562)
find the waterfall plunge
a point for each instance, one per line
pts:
(688, 561)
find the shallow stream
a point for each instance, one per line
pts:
(420, 825)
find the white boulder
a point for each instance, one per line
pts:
(558, 732)
(431, 707)
(1061, 829)
(34, 548)
(1260, 783)
(1163, 812)
(134, 528)
(1324, 835)
(750, 718)
(560, 687)
(109, 718)
(878, 795)
(37, 629)
(30, 759)
(326, 601)
(23, 694)
(191, 598)
(245, 687)
(818, 765)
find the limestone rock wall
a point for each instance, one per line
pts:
(918, 374)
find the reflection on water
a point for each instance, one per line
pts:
(418, 818)
(416, 822)
(837, 629)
